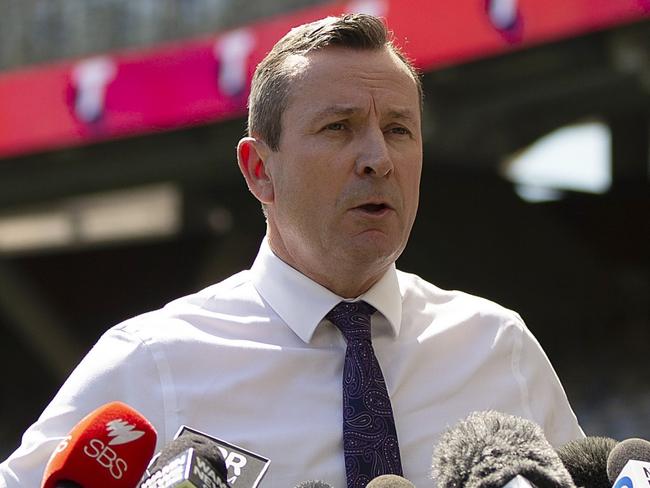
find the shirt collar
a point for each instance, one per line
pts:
(302, 303)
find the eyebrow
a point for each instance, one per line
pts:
(404, 114)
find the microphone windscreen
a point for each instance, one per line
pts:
(586, 460)
(390, 481)
(489, 449)
(627, 450)
(110, 447)
(313, 484)
(192, 449)
(201, 444)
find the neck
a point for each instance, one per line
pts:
(344, 280)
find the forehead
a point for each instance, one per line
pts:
(340, 76)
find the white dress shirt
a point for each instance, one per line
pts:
(251, 360)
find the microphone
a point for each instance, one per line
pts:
(586, 460)
(189, 461)
(390, 481)
(491, 450)
(110, 447)
(629, 464)
(313, 484)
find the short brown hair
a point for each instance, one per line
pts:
(271, 82)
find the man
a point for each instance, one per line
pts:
(265, 359)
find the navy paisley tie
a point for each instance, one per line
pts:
(369, 435)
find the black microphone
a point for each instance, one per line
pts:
(492, 449)
(629, 461)
(390, 481)
(190, 461)
(586, 460)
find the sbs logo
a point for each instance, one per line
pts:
(120, 432)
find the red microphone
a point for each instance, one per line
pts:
(111, 447)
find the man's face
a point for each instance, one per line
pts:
(347, 172)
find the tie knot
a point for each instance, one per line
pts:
(352, 319)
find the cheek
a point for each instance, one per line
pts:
(316, 185)
(409, 174)
(306, 199)
(415, 173)
(410, 189)
(414, 183)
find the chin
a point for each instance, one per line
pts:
(378, 253)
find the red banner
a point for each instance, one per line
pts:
(206, 79)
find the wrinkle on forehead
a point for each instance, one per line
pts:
(397, 67)
(301, 67)
(343, 81)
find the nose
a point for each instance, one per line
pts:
(373, 157)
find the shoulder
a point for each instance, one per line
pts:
(433, 313)
(237, 289)
(230, 301)
(419, 293)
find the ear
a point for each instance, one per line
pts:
(251, 157)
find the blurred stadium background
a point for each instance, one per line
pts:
(535, 189)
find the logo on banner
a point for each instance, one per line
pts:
(90, 80)
(505, 17)
(378, 8)
(232, 51)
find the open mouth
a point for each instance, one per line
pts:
(374, 208)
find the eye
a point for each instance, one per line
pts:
(399, 130)
(335, 126)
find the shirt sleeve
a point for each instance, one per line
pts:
(106, 374)
(542, 395)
